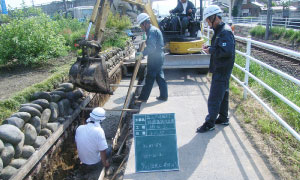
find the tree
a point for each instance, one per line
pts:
(268, 19)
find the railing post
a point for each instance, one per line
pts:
(271, 24)
(248, 52)
(285, 23)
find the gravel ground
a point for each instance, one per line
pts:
(285, 64)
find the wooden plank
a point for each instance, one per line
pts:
(36, 157)
(125, 106)
(130, 110)
(123, 85)
(112, 72)
(102, 174)
(121, 165)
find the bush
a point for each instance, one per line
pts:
(119, 22)
(69, 23)
(31, 40)
(258, 31)
(296, 36)
(288, 34)
(277, 32)
(4, 18)
(114, 38)
(25, 12)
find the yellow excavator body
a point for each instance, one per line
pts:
(188, 47)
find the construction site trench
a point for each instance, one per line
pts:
(53, 152)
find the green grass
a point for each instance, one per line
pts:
(258, 31)
(11, 105)
(276, 33)
(288, 89)
(264, 122)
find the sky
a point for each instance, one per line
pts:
(17, 3)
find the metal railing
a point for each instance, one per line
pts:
(293, 23)
(247, 89)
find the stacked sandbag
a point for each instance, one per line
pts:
(115, 55)
(27, 130)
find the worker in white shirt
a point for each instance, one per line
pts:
(91, 143)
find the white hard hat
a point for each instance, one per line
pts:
(142, 17)
(98, 114)
(211, 10)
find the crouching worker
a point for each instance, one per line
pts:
(92, 147)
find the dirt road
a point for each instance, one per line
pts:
(13, 80)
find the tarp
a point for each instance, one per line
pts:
(3, 5)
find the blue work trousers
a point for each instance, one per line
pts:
(184, 21)
(152, 75)
(218, 97)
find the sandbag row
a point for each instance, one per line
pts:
(25, 131)
(115, 55)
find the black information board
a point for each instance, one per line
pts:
(155, 142)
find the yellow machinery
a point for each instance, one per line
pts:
(181, 51)
(89, 71)
(174, 47)
(186, 47)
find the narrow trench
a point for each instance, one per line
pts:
(66, 166)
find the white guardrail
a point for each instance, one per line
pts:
(293, 23)
(245, 69)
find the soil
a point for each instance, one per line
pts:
(17, 78)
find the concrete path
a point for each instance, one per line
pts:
(224, 153)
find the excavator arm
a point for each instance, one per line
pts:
(147, 9)
(89, 71)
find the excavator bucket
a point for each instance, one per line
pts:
(90, 73)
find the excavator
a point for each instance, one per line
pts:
(89, 71)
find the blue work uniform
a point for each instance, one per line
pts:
(156, 57)
(222, 58)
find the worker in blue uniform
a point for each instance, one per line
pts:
(222, 52)
(186, 11)
(156, 57)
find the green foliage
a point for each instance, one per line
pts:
(235, 11)
(296, 36)
(118, 22)
(25, 13)
(71, 29)
(4, 18)
(289, 33)
(69, 23)
(32, 40)
(258, 31)
(277, 32)
(113, 38)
